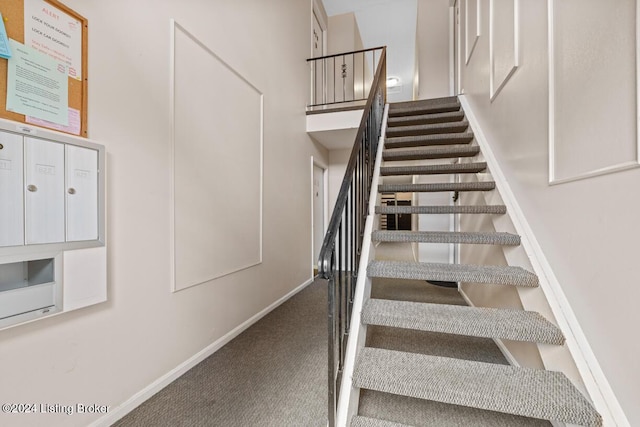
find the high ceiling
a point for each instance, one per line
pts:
(390, 23)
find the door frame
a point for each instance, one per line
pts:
(315, 162)
(317, 13)
(455, 81)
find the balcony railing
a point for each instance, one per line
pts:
(343, 79)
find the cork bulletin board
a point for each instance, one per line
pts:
(57, 41)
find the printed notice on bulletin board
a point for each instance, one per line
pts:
(37, 85)
(43, 65)
(54, 33)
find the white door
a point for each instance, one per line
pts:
(44, 191)
(317, 38)
(11, 201)
(82, 193)
(318, 212)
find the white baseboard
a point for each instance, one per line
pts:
(137, 399)
(593, 377)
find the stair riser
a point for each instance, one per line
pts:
(428, 172)
(425, 130)
(414, 142)
(429, 156)
(404, 112)
(425, 120)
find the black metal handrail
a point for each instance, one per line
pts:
(343, 77)
(342, 246)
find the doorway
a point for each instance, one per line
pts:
(319, 211)
(317, 38)
(456, 82)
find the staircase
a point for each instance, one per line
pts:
(416, 134)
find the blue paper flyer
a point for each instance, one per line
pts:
(5, 50)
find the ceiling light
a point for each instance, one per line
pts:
(393, 81)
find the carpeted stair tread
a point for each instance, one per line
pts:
(359, 421)
(434, 128)
(520, 391)
(418, 108)
(441, 152)
(449, 116)
(469, 273)
(437, 187)
(428, 140)
(510, 324)
(478, 238)
(433, 169)
(444, 209)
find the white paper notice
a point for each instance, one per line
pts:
(37, 85)
(74, 123)
(55, 33)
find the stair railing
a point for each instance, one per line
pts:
(341, 249)
(343, 79)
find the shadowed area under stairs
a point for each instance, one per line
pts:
(274, 373)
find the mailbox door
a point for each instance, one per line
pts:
(11, 184)
(82, 193)
(44, 191)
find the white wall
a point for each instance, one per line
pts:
(587, 228)
(393, 25)
(338, 160)
(106, 354)
(343, 34)
(433, 48)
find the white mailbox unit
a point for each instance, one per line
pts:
(52, 223)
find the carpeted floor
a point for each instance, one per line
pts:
(273, 374)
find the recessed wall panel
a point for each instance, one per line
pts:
(472, 26)
(504, 37)
(593, 88)
(217, 165)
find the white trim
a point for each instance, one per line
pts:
(452, 40)
(594, 379)
(632, 164)
(495, 89)
(317, 10)
(469, 51)
(325, 204)
(140, 397)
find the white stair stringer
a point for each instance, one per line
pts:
(553, 301)
(347, 406)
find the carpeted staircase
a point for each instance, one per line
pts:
(437, 129)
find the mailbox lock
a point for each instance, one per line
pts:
(32, 188)
(71, 191)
